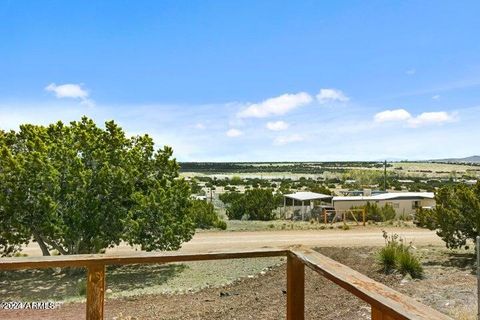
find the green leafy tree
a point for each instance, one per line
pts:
(254, 204)
(456, 215)
(79, 188)
(205, 216)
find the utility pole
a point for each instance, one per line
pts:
(385, 175)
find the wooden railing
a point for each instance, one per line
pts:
(386, 303)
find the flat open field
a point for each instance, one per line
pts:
(449, 286)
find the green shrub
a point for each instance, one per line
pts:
(387, 213)
(222, 225)
(407, 263)
(378, 214)
(81, 287)
(397, 256)
(387, 257)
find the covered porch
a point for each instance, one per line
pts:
(303, 203)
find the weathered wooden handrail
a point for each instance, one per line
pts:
(386, 303)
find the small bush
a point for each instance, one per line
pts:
(387, 213)
(19, 254)
(374, 212)
(387, 258)
(397, 256)
(407, 263)
(82, 287)
(222, 225)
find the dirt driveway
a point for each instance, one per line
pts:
(225, 240)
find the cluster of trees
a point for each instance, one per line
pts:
(456, 216)
(254, 204)
(285, 185)
(79, 188)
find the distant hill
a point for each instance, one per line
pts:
(471, 159)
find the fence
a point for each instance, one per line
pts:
(386, 303)
(344, 215)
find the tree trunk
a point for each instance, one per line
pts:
(42, 244)
(57, 247)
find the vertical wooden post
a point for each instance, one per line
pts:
(325, 216)
(95, 291)
(295, 289)
(363, 215)
(376, 314)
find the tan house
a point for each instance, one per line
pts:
(404, 203)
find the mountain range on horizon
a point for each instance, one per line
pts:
(470, 159)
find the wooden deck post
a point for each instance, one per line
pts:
(95, 291)
(295, 289)
(378, 314)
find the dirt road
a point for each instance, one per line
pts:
(222, 240)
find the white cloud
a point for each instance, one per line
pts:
(392, 115)
(71, 90)
(436, 97)
(276, 106)
(200, 126)
(424, 118)
(277, 125)
(233, 133)
(431, 118)
(68, 91)
(288, 139)
(411, 71)
(331, 95)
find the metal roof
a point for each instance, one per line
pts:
(388, 196)
(306, 196)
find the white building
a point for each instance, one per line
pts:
(404, 203)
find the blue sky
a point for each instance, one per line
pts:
(252, 80)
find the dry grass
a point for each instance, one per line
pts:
(465, 313)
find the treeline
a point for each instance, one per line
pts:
(288, 167)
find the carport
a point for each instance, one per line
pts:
(303, 197)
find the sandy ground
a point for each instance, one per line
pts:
(242, 240)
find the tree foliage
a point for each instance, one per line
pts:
(79, 188)
(456, 215)
(205, 216)
(254, 204)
